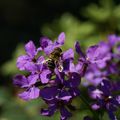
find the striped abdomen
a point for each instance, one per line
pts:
(51, 64)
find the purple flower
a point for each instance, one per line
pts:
(66, 58)
(92, 63)
(61, 94)
(31, 91)
(48, 46)
(27, 62)
(105, 98)
(59, 87)
(113, 39)
(35, 64)
(94, 75)
(98, 54)
(41, 71)
(118, 99)
(95, 107)
(56, 99)
(40, 75)
(79, 68)
(96, 93)
(113, 42)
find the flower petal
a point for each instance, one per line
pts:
(95, 107)
(32, 79)
(66, 65)
(40, 59)
(49, 49)
(49, 93)
(69, 54)
(64, 95)
(45, 42)
(105, 87)
(21, 61)
(65, 114)
(99, 53)
(91, 52)
(32, 93)
(30, 66)
(74, 92)
(20, 80)
(113, 39)
(74, 80)
(30, 49)
(78, 49)
(118, 99)
(95, 94)
(48, 112)
(61, 38)
(44, 76)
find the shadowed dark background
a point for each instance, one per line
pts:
(21, 20)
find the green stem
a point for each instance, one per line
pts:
(95, 115)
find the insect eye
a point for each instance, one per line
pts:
(59, 49)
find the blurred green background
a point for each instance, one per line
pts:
(88, 21)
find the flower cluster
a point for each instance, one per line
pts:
(56, 87)
(55, 77)
(105, 98)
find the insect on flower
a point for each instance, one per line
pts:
(53, 59)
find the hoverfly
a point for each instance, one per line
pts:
(54, 59)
